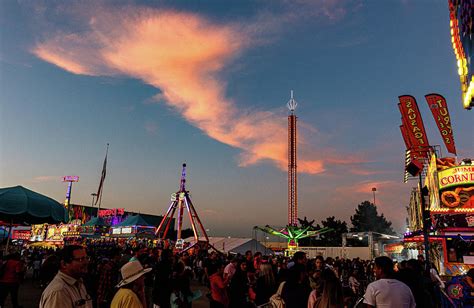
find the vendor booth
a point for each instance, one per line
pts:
(133, 226)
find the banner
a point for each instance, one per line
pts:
(406, 139)
(439, 109)
(414, 124)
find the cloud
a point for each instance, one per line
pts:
(46, 178)
(183, 55)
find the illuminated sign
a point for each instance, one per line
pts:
(112, 212)
(432, 183)
(393, 248)
(456, 176)
(21, 234)
(127, 230)
(457, 185)
(70, 178)
(460, 22)
(116, 230)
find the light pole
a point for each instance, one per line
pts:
(373, 191)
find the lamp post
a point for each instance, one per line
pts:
(373, 191)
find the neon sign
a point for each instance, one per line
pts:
(112, 212)
(456, 176)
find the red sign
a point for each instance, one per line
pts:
(21, 234)
(112, 212)
(414, 124)
(439, 109)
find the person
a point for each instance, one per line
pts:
(266, 284)
(218, 287)
(331, 295)
(36, 268)
(108, 278)
(354, 284)
(386, 291)
(67, 288)
(298, 258)
(163, 285)
(296, 290)
(239, 288)
(10, 281)
(230, 269)
(132, 287)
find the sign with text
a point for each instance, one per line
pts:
(439, 109)
(111, 212)
(413, 124)
(457, 186)
(70, 178)
(456, 176)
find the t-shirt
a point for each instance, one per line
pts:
(126, 298)
(229, 270)
(389, 293)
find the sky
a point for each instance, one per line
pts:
(206, 83)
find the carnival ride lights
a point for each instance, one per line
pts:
(179, 201)
(461, 15)
(292, 232)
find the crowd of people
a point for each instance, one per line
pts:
(105, 274)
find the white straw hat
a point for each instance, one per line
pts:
(131, 271)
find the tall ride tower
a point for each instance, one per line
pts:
(292, 171)
(180, 201)
(292, 232)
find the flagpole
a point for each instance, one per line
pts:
(102, 190)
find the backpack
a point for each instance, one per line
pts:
(276, 301)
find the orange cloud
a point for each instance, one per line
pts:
(183, 55)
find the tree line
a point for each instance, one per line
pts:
(365, 218)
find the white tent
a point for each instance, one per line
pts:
(236, 245)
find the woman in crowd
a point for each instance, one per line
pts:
(331, 295)
(132, 287)
(239, 287)
(266, 284)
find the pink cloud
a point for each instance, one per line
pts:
(46, 178)
(183, 55)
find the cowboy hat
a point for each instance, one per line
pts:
(131, 271)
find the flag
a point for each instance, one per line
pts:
(439, 109)
(102, 178)
(414, 124)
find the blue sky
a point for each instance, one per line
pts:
(206, 82)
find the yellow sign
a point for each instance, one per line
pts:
(456, 176)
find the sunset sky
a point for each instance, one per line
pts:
(206, 83)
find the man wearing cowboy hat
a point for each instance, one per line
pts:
(132, 287)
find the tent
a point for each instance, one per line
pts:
(19, 205)
(95, 221)
(236, 245)
(134, 220)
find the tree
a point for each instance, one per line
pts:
(333, 238)
(366, 219)
(306, 223)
